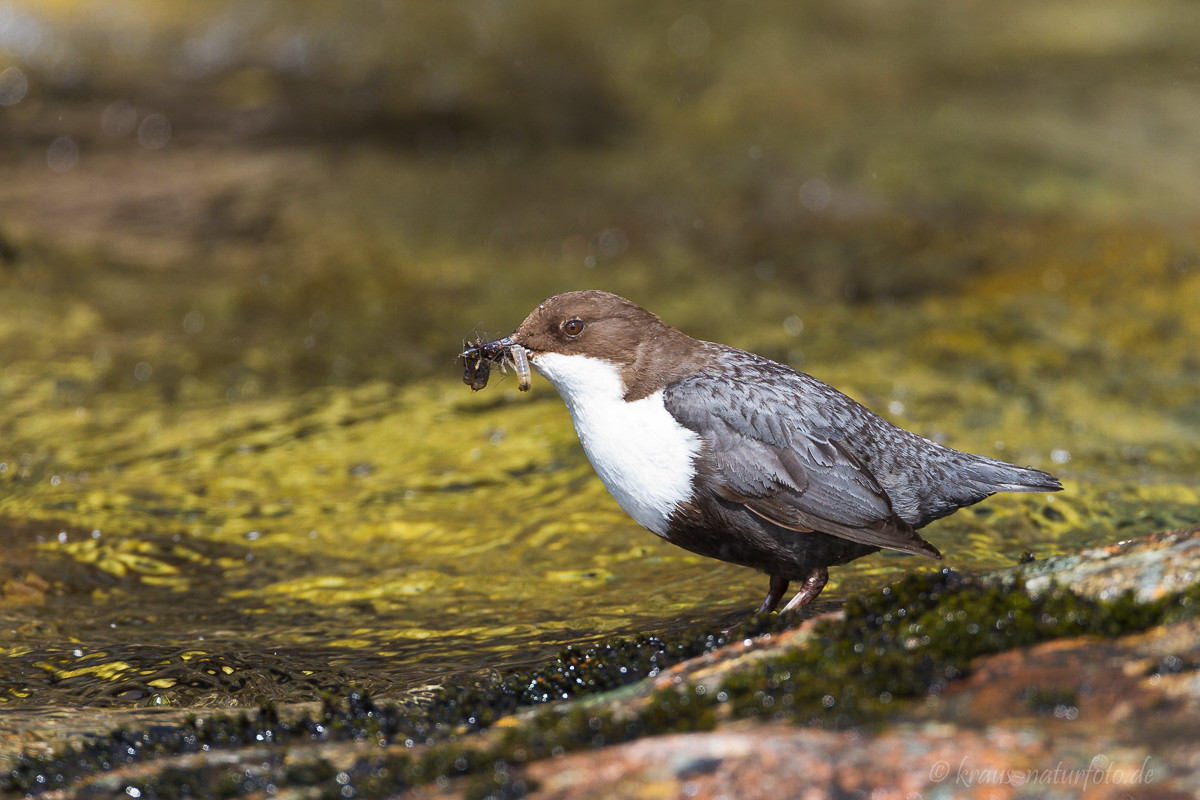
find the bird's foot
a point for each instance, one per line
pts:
(809, 590)
(774, 595)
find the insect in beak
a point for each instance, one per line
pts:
(480, 356)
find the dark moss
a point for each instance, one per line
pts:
(1173, 665)
(310, 772)
(1050, 700)
(494, 764)
(202, 780)
(500, 785)
(918, 634)
(576, 672)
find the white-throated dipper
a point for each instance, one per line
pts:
(733, 456)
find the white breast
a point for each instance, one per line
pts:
(642, 455)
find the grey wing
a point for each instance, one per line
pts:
(787, 469)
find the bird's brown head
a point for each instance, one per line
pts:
(604, 326)
(599, 324)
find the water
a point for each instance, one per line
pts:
(236, 462)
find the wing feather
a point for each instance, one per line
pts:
(791, 471)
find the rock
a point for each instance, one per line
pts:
(1151, 567)
(1078, 717)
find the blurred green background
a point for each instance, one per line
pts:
(242, 242)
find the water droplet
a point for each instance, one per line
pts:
(13, 86)
(62, 155)
(22, 32)
(193, 322)
(613, 242)
(154, 132)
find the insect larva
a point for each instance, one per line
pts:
(521, 365)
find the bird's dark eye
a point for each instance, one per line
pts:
(573, 327)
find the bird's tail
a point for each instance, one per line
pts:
(1000, 476)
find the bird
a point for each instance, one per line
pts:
(739, 458)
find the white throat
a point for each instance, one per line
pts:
(643, 456)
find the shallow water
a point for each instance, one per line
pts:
(198, 553)
(236, 461)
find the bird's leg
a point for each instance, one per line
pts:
(809, 590)
(774, 594)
